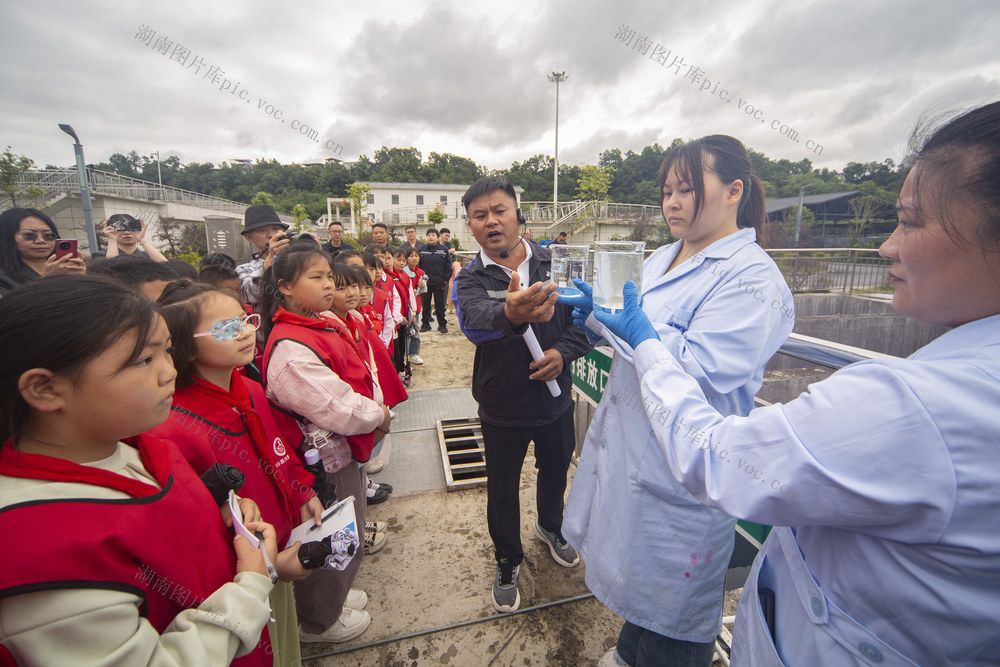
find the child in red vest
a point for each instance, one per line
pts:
(317, 366)
(383, 285)
(418, 285)
(121, 552)
(219, 416)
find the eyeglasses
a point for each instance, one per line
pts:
(226, 330)
(31, 235)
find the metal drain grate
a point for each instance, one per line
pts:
(462, 452)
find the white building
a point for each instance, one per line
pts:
(399, 205)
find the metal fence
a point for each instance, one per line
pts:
(54, 182)
(845, 270)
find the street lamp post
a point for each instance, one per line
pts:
(798, 217)
(81, 171)
(159, 176)
(557, 78)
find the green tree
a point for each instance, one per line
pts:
(12, 166)
(534, 175)
(594, 182)
(358, 193)
(435, 216)
(262, 198)
(448, 168)
(397, 165)
(299, 215)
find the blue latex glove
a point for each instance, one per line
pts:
(630, 323)
(583, 304)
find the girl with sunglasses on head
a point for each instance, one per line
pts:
(219, 416)
(116, 552)
(27, 247)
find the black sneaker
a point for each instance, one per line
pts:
(443, 329)
(506, 597)
(425, 327)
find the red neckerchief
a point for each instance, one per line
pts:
(350, 332)
(238, 399)
(39, 466)
(366, 314)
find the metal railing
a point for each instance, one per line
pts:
(54, 182)
(846, 270)
(574, 216)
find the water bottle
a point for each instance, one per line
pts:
(326, 492)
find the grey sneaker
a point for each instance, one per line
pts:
(563, 553)
(506, 597)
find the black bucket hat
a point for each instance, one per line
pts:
(261, 215)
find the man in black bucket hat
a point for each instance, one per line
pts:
(266, 232)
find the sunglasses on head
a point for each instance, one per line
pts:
(32, 235)
(226, 330)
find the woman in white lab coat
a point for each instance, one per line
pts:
(654, 554)
(887, 474)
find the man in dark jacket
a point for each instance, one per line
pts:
(336, 243)
(436, 263)
(515, 405)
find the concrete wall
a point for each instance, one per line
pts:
(863, 322)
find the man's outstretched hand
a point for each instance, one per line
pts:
(531, 304)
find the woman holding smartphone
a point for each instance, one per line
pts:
(27, 241)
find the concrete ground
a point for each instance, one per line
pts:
(436, 570)
(429, 587)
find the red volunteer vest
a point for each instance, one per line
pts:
(210, 425)
(167, 546)
(401, 282)
(341, 347)
(393, 391)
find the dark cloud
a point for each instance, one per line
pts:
(456, 77)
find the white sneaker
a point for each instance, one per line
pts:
(415, 359)
(357, 599)
(374, 541)
(611, 659)
(350, 624)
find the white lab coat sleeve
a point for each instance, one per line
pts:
(856, 450)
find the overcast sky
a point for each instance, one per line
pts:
(469, 77)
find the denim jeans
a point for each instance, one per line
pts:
(639, 647)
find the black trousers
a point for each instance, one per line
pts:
(399, 348)
(505, 448)
(439, 292)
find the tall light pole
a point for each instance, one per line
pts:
(798, 217)
(81, 172)
(159, 177)
(557, 78)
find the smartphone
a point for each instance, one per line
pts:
(66, 247)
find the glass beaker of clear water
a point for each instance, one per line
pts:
(614, 263)
(569, 262)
